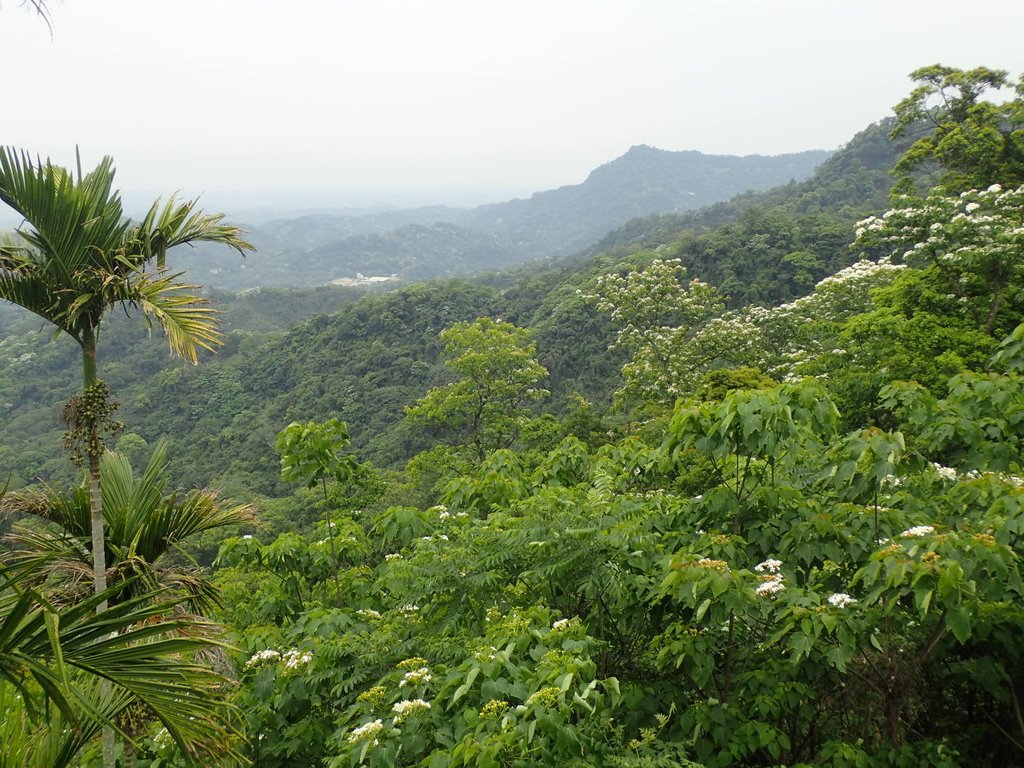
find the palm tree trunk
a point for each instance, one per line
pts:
(99, 541)
(99, 547)
(99, 554)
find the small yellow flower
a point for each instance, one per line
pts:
(494, 709)
(414, 663)
(545, 697)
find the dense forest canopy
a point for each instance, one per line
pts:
(739, 486)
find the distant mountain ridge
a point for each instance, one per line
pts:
(643, 181)
(441, 241)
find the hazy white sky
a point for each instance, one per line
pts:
(361, 100)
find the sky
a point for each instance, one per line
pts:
(358, 102)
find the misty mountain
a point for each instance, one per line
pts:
(440, 241)
(644, 181)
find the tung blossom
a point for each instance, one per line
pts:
(770, 588)
(366, 731)
(293, 659)
(841, 599)
(404, 709)
(266, 656)
(416, 677)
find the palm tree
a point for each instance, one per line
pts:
(144, 529)
(67, 672)
(76, 256)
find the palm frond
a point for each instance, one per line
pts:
(142, 525)
(68, 509)
(174, 223)
(87, 258)
(199, 595)
(190, 325)
(144, 656)
(21, 281)
(75, 222)
(52, 740)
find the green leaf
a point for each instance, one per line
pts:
(923, 599)
(464, 688)
(702, 609)
(563, 686)
(958, 619)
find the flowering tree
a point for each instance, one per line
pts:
(976, 239)
(659, 312)
(678, 331)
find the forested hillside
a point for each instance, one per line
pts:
(736, 487)
(368, 362)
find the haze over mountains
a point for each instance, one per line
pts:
(440, 241)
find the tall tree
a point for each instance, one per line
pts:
(76, 256)
(965, 139)
(311, 453)
(497, 377)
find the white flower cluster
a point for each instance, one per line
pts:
(771, 583)
(393, 556)
(892, 480)
(486, 654)
(1002, 477)
(946, 473)
(916, 531)
(770, 587)
(561, 625)
(367, 731)
(416, 677)
(862, 273)
(409, 610)
(443, 513)
(438, 537)
(404, 709)
(294, 659)
(972, 229)
(260, 658)
(368, 613)
(677, 330)
(841, 599)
